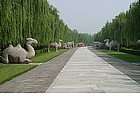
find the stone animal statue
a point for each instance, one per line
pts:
(137, 46)
(99, 45)
(112, 44)
(60, 44)
(64, 45)
(138, 42)
(18, 54)
(55, 45)
(70, 44)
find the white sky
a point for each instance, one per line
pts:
(89, 16)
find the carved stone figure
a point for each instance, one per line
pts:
(112, 44)
(60, 44)
(18, 54)
(138, 42)
(70, 44)
(99, 45)
(64, 45)
(55, 45)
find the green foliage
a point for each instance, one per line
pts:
(124, 56)
(131, 51)
(38, 19)
(44, 57)
(125, 28)
(8, 72)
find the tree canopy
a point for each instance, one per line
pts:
(20, 19)
(124, 28)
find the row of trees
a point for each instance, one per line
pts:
(125, 28)
(20, 19)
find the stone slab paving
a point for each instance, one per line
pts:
(132, 70)
(38, 79)
(85, 72)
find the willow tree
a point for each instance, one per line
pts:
(38, 19)
(124, 28)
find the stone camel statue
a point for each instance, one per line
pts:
(138, 42)
(18, 54)
(112, 44)
(60, 44)
(55, 45)
(70, 44)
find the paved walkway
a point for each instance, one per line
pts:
(84, 72)
(88, 73)
(38, 79)
(132, 70)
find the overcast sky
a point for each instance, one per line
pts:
(89, 16)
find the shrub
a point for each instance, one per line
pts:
(130, 51)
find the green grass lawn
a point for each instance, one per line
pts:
(7, 72)
(124, 56)
(44, 57)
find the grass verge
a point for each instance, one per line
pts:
(123, 56)
(7, 72)
(44, 57)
